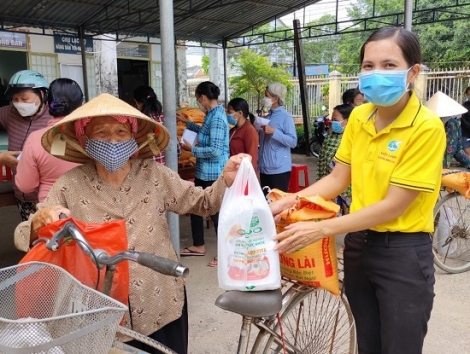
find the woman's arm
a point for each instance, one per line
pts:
(328, 187)
(251, 142)
(302, 234)
(287, 135)
(217, 140)
(27, 172)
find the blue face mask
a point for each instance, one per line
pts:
(336, 127)
(383, 87)
(231, 120)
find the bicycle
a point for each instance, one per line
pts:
(451, 236)
(297, 319)
(101, 259)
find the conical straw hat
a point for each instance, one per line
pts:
(154, 134)
(444, 106)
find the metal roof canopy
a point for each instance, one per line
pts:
(202, 21)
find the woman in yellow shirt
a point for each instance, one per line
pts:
(391, 153)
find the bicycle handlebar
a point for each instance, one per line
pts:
(100, 257)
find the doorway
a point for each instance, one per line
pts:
(12, 61)
(131, 74)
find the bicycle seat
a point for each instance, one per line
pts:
(251, 304)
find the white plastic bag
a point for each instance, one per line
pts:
(246, 257)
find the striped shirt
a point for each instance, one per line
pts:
(18, 129)
(211, 151)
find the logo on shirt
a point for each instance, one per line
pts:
(393, 145)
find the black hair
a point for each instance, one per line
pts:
(64, 96)
(208, 89)
(350, 95)
(467, 89)
(344, 109)
(150, 104)
(466, 115)
(406, 40)
(239, 104)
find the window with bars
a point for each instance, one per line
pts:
(45, 64)
(156, 79)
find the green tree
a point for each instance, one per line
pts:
(280, 51)
(205, 64)
(443, 43)
(324, 49)
(256, 72)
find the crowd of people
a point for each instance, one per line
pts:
(104, 160)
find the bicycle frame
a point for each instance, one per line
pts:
(102, 259)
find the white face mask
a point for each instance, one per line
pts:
(201, 107)
(267, 103)
(26, 109)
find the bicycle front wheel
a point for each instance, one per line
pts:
(315, 322)
(451, 237)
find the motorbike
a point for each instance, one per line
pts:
(320, 131)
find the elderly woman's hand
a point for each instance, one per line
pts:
(45, 216)
(231, 167)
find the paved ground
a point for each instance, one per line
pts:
(214, 331)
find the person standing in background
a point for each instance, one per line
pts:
(276, 139)
(339, 119)
(147, 102)
(465, 124)
(27, 112)
(211, 150)
(243, 136)
(37, 169)
(353, 96)
(467, 94)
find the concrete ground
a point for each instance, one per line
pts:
(214, 331)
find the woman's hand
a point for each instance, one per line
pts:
(186, 146)
(181, 117)
(231, 168)
(268, 130)
(300, 234)
(9, 158)
(45, 216)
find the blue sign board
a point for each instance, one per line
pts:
(70, 44)
(12, 40)
(312, 70)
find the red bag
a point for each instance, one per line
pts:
(110, 236)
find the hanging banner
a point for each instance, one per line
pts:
(12, 40)
(66, 43)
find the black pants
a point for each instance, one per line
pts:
(389, 281)
(197, 222)
(174, 335)
(279, 181)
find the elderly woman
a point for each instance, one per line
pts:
(276, 139)
(118, 180)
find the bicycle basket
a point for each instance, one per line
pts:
(43, 309)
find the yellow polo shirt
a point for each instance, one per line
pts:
(408, 154)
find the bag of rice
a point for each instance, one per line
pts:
(317, 263)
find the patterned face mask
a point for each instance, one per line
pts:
(112, 156)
